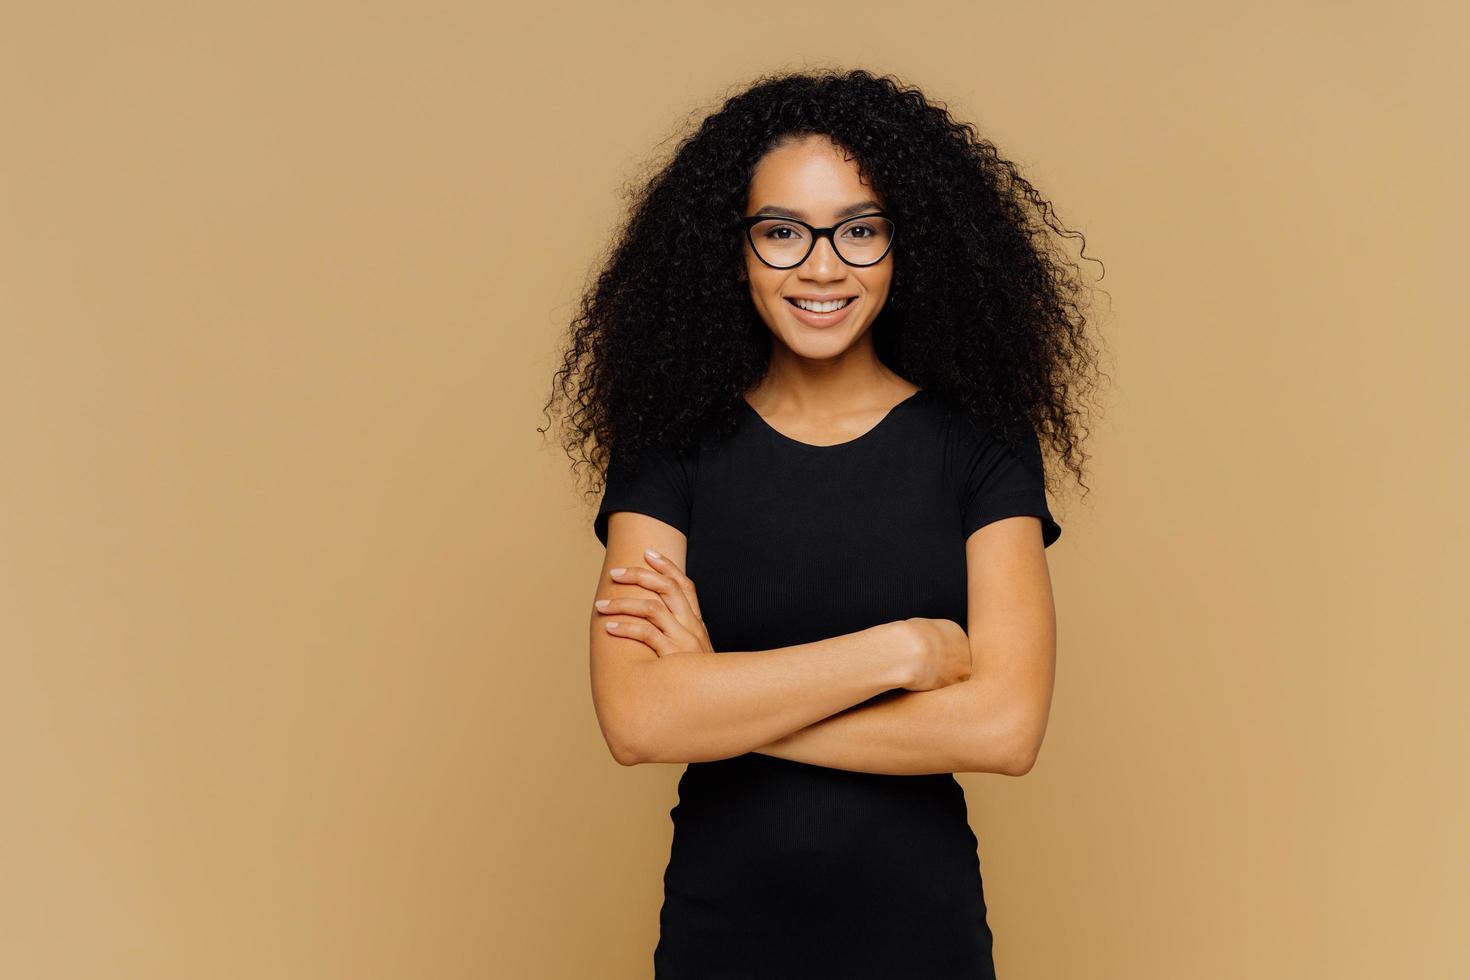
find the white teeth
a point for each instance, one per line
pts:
(815, 307)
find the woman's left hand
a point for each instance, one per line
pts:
(669, 622)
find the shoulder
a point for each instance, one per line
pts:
(656, 480)
(996, 468)
(968, 432)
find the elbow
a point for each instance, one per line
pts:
(1024, 746)
(623, 736)
(1002, 753)
(623, 754)
(635, 730)
(625, 745)
(634, 739)
(1023, 760)
(641, 749)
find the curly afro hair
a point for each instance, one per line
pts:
(985, 310)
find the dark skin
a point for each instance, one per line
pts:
(973, 698)
(668, 623)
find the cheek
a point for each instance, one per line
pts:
(765, 284)
(879, 284)
(757, 279)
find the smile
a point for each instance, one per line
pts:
(815, 314)
(812, 306)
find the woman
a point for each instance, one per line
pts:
(818, 360)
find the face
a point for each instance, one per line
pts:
(811, 180)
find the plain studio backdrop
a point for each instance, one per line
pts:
(294, 596)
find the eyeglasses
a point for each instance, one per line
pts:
(784, 243)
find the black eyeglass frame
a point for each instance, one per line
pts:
(817, 233)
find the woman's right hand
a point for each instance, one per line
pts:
(941, 653)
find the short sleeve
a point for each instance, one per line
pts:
(656, 484)
(996, 482)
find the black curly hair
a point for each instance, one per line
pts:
(985, 311)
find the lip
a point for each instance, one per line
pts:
(821, 319)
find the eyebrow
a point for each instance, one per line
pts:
(846, 212)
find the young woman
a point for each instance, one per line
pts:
(818, 360)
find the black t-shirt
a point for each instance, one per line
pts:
(784, 869)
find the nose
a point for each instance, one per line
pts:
(823, 263)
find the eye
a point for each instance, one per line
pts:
(773, 232)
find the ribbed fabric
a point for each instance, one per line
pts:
(781, 869)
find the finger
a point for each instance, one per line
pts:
(655, 612)
(673, 594)
(671, 568)
(644, 632)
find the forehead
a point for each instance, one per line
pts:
(812, 179)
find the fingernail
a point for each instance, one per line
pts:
(651, 553)
(617, 571)
(601, 603)
(612, 624)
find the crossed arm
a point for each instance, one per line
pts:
(976, 725)
(662, 695)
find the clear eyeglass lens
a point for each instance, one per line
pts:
(858, 240)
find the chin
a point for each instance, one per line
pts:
(818, 346)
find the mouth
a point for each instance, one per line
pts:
(825, 317)
(845, 300)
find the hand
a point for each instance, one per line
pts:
(669, 622)
(943, 653)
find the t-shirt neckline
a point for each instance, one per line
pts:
(872, 430)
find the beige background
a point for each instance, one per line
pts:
(294, 597)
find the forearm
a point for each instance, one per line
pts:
(970, 726)
(692, 707)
